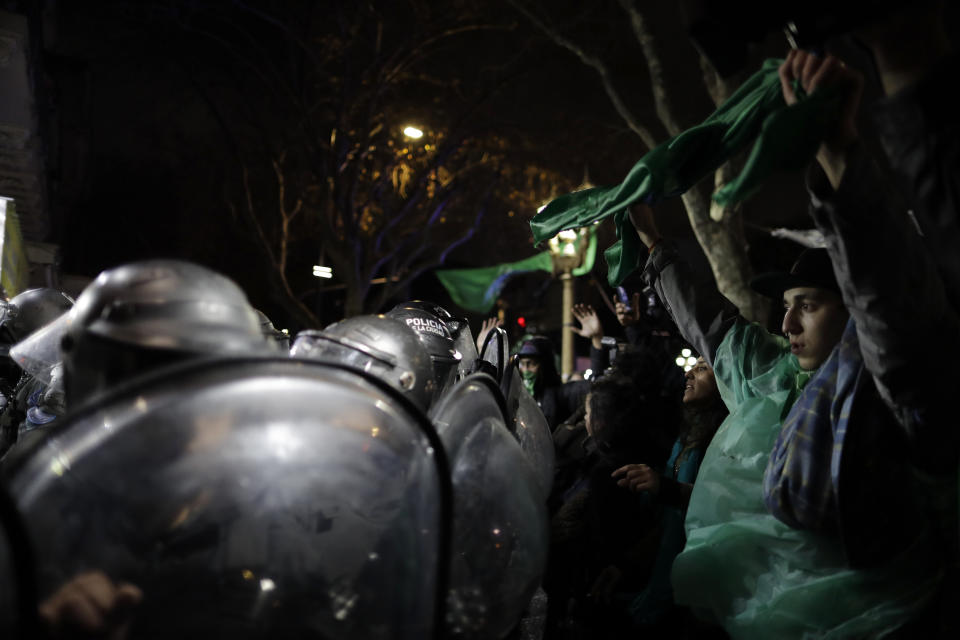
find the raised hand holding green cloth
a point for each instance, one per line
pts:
(786, 138)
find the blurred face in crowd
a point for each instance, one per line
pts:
(530, 366)
(701, 385)
(813, 321)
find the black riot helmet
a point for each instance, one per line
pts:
(384, 347)
(139, 316)
(454, 325)
(30, 310)
(463, 340)
(435, 336)
(23, 315)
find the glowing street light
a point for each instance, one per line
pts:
(322, 272)
(413, 132)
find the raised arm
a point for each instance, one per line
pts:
(887, 274)
(699, 310)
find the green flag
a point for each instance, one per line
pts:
(478, 289)
(787, 137)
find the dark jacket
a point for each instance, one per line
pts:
(903, 289)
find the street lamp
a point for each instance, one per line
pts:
(567, 250)
(413, 132)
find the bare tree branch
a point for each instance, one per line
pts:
(651, 52)
(419, 50)
(597, 64)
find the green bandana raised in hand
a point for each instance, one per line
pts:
(786, 138)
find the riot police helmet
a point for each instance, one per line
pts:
(435, 336)
(384, 347)
(454, 324)
(142, 315)
(28, 311)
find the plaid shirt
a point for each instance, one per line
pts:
(801, 478)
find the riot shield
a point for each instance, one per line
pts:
(467, 347)
(524, 417)
(18, 604)
(500, 519)
(496, 351)
(530, 426)
(251, 498)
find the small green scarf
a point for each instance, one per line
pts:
(529, 381)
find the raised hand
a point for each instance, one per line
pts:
(816, 72)
(590, 326)
(90, 605)
(488, 325)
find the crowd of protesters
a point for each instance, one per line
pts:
(825, 503)
(790, 484)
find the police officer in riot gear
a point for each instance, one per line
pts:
(143, 315)
(279, 497)
(232, 507)
(382, 346)
(28, 401)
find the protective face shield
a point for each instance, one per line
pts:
(500, 527)
(23, 315)
(435, 336)
(381, 346)
(277, 499)
(39, 354)
(144, 315)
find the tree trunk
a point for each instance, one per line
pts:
(355, 300)
(719, 230)
(724, 245)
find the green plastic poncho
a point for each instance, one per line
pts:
(784, 137)
(745, 569)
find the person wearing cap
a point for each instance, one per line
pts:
(743, 567)
(899, 274)
(898, 269)
(538, 370)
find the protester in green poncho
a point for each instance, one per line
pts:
(742, 567)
